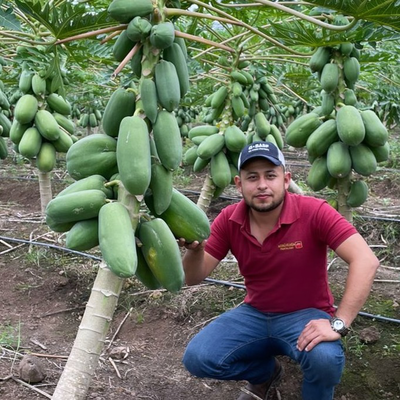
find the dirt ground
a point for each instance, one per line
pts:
(43, 293)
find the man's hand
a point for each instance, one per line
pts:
(192, 246)
(316, 331)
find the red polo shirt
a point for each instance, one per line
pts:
(288, 272)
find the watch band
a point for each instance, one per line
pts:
(338, 325)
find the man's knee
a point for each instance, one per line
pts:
(324, 362)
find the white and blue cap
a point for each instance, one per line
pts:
(265, 150)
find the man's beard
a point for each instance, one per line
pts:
(265, 207)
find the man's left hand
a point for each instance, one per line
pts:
(316, 331)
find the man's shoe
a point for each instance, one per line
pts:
(260, 391)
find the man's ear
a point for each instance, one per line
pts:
(238, 183)
(288, 177)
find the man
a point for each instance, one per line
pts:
(280, 241)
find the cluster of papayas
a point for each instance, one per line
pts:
(247, 104)
(341, 139)
(41, 125)
(185, 116)
(136, 155)
(90, 117)
(5, 123)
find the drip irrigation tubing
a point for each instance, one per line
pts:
(210, 280)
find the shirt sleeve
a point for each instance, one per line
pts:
(333, 229)
(218, 243)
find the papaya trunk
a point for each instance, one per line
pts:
(89, 342)
(294, 188)
(343, 186)
(45, 190)
(206, 194)
(83, 359)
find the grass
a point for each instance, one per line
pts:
(10, 336)
(181, 178)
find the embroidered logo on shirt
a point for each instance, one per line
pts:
(291, 245)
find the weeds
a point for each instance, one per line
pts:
(180, 178)
(10, 336)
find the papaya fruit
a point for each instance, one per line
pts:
(148, 95)
(320, 57)
(161, 185)
(350, 125)
(167, 84)
(122, 46)
(358, 193)
(376, 133)
(318, 175)
(338, 160)
(351, 70)
(121, 104)
(363, 159)
(220, 170)
(162, 35)
(202, 130)
(262, 125)
(91, 182)
(125, 10)
(59, 104)
(162, 254)
(117, 239)
(3, 149)
(167, 139)
(235, 139)
(143, 272)
(84, 235)
(92, 155)
(26, 109)
(319, 141)
(330, 77)
(174, 54)
(301, 128)
(46, 158)
(381, 153)
(30, 143)
(210, 146)
(183, 216)
(47, 125)
(133, 155)
(138, 29)
(38, 85)
(76, 206)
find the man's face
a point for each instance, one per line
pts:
(262, 184)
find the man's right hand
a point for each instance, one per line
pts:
(196, 245)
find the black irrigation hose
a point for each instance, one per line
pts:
(51, 246)
(214, 281)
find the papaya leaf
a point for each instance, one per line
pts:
(382, 12)
(302, 33)
(67, 19)
(8, 20)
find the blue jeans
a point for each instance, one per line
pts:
(241, 345)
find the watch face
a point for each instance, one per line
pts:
(338, 324)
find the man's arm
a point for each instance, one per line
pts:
(363, 265)
(197, 263)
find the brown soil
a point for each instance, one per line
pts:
(43, 294)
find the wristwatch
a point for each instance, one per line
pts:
(339, 326)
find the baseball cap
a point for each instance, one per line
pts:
(265, 150)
